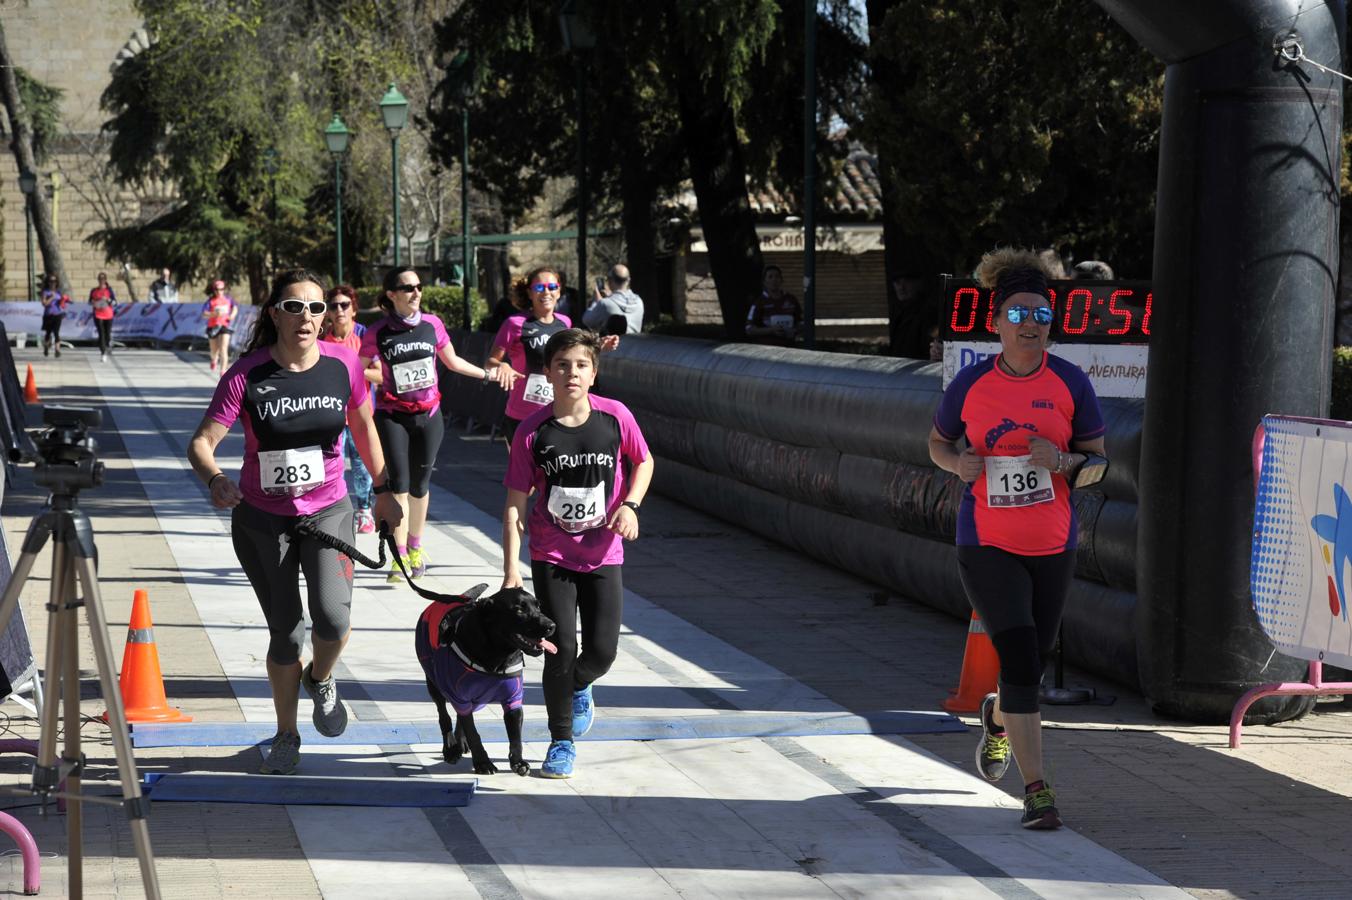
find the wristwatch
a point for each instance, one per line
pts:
(631, 504)
(381, 488)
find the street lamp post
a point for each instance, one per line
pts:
(579, 36)
(461, 69)
(394, 110)
(28, 183)
(466, 251)
(810, 178)
(335, 136)
(272, 167)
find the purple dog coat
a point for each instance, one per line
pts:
(466, 688)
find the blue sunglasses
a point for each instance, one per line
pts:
(541, 286)
(1042, 315)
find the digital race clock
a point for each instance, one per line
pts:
(1085, 312)
(1101, 326)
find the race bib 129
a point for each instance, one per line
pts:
(415, 375)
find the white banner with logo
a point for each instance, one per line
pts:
(1302, 538)
(1115, 370)
(132, 322)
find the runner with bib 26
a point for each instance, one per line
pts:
(521, 342)
(401, 352)
(1033, 429)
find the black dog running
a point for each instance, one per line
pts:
(471, 654)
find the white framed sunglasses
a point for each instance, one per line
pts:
(293, 306)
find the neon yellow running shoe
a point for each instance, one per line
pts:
(1039, 808)
(417, 562)
(992, 753)
(395, 575)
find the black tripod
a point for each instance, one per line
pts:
(66, 462)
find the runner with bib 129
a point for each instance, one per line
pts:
(400, 352)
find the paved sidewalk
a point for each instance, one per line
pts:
(718, 620)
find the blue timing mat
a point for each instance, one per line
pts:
(303, 790)
(609, 728)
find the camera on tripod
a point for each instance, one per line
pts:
(66, 456)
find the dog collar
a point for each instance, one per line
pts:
(510, 670)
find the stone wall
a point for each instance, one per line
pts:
(70, 44)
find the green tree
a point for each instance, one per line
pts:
(1032, 122)
(707, 91)
(222, 83)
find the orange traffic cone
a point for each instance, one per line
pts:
(30, 387)
(141, 684)
(980, 670)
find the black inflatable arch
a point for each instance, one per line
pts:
(1245, 268)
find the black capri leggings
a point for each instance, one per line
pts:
(410, 442)
(273, 560)
(105, 327)
(1020, 600)
(51, 328)
(596, 596)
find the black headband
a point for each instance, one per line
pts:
(1020, 281)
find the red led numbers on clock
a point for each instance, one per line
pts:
(1084, 312)
(970, 298)
(1117, 310)
(1068, 323)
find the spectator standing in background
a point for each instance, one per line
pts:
(162, 290)
(775, 316)
(1092, 270)
(605, 311)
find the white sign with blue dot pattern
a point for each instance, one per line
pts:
(1300, 574)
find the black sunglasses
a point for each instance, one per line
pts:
(408, 288)
(294, 307)
(340, 304)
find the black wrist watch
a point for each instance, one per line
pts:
(381, 488)
(632, 505)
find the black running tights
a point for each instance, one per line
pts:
(597, 597)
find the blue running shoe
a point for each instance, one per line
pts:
(584, 711)
(559, 760)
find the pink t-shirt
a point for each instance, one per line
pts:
(524, 339)
(408, 362)
(101, 298)
(580, 479)
(293, 422)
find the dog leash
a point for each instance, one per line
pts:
(307, 528)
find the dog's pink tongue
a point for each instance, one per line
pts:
(547, 646)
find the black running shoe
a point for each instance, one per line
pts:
(1039, 808)
(992, 753)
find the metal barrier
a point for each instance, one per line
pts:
(828, 453)
(477, 405)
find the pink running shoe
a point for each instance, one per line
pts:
(366, 523)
